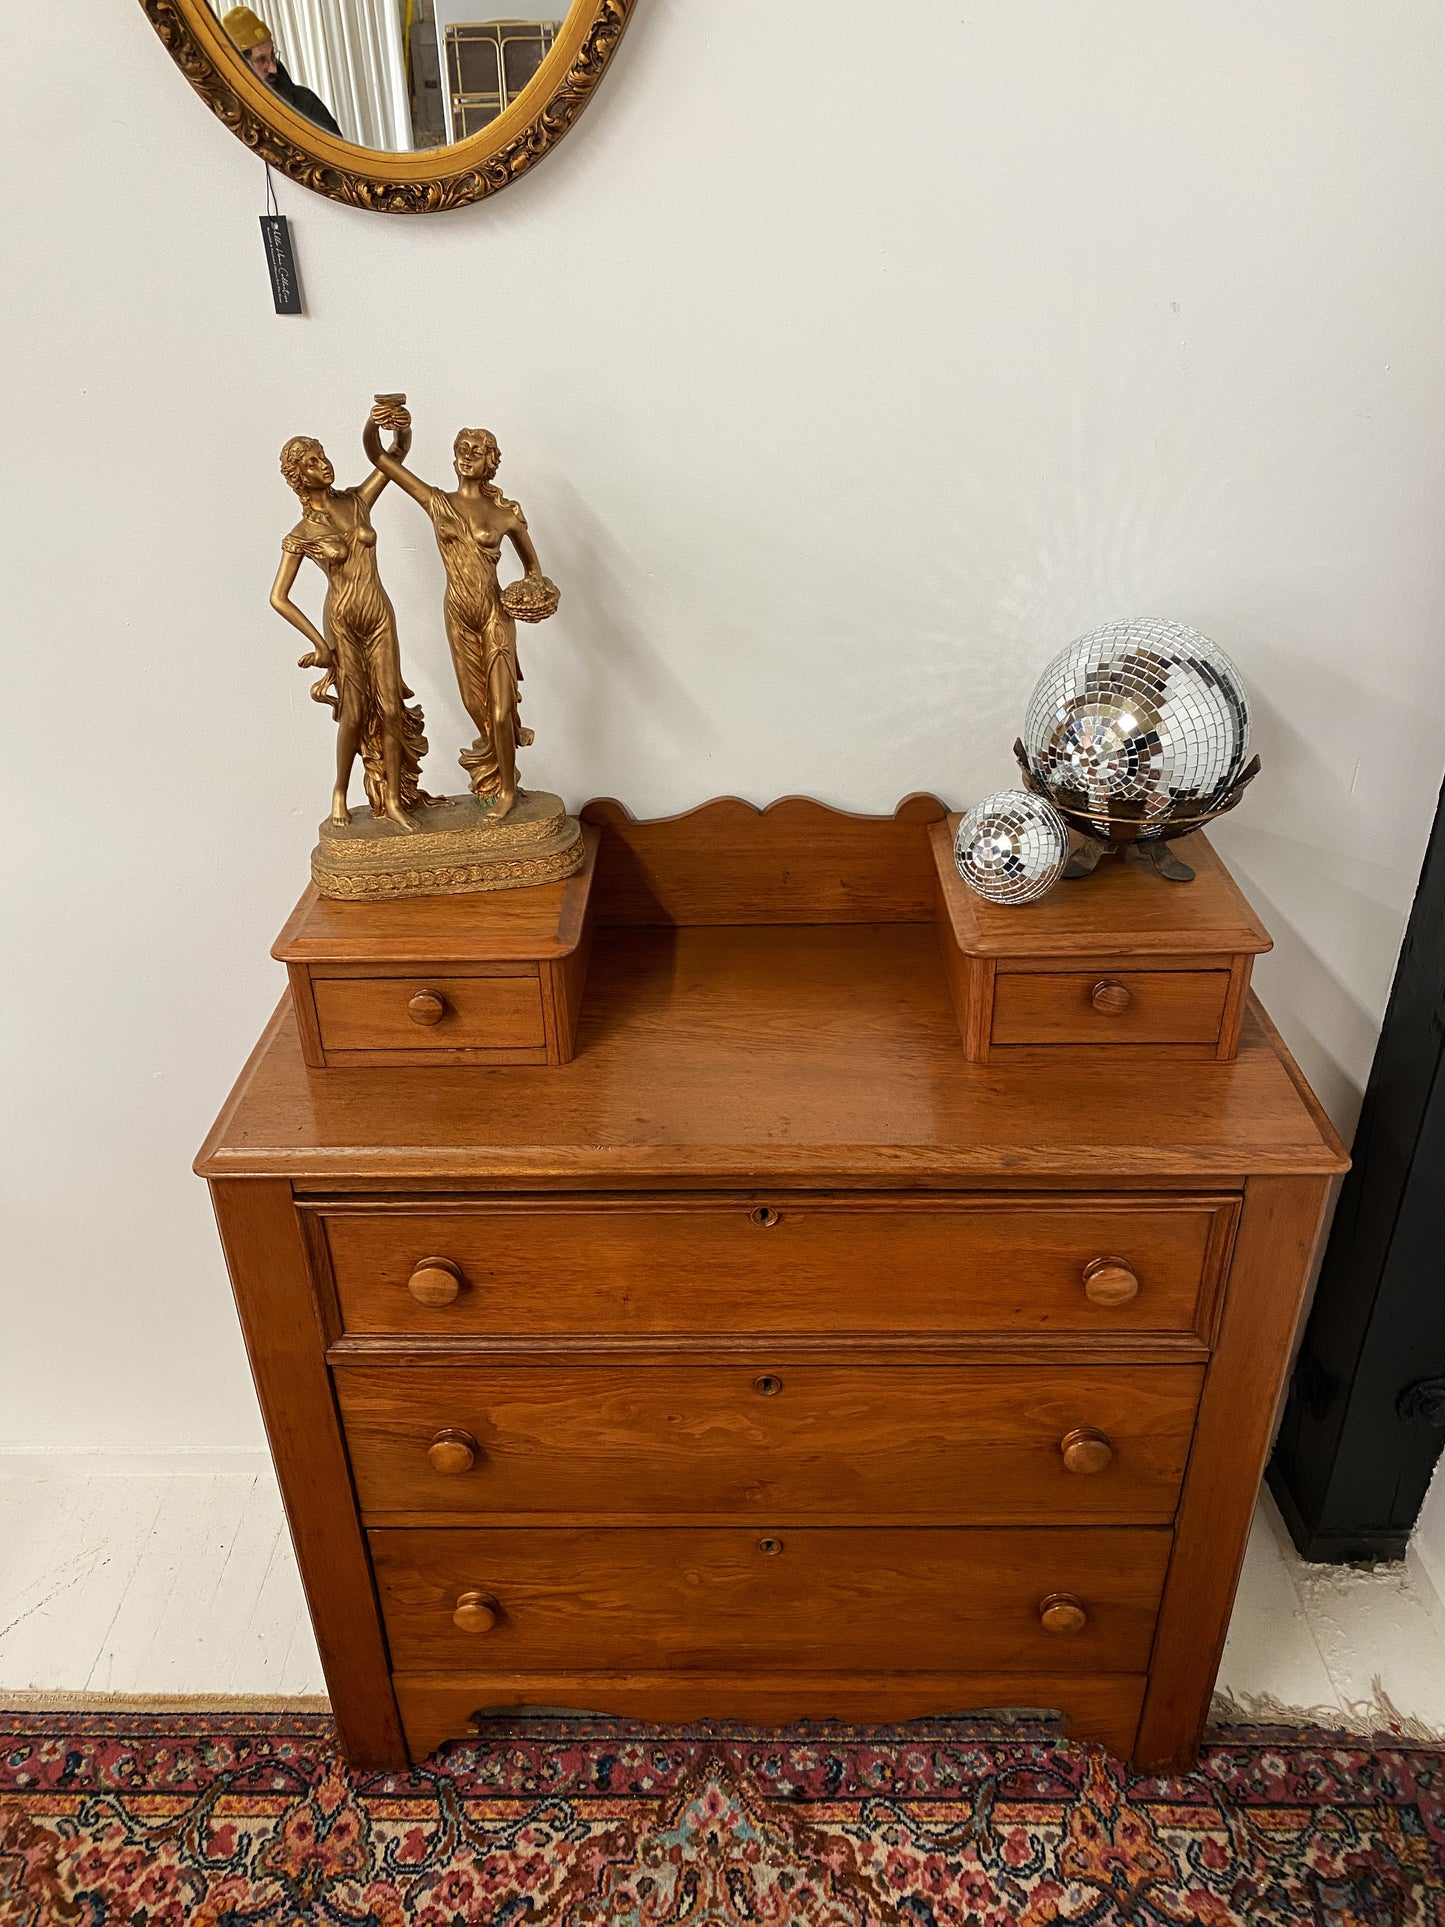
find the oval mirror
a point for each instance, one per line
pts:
(405, 106)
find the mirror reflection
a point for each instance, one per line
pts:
(392, 75)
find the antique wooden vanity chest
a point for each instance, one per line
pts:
(770, 1359)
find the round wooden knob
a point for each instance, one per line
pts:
(1085, 1450)
(1109, 1281)
(434, 1281)
(429, 1007)
(476, 1612)
(1110, 997)
(452, 1452)
(1062, 1613)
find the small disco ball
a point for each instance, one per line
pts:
(1011, 847)
(1139, 730)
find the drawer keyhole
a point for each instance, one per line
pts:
(767, 1386)
(764, 1214)
(770, 1548)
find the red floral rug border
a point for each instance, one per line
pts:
(229, 1820)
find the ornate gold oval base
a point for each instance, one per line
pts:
(395, 183)
(457, 847)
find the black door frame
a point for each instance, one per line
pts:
(1364, 1423)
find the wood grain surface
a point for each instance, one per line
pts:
(478, 1013)
(772, 1340)
(1103, 1707)
(840, 1263)
(1059, 1007)
(282, 1323)
(1277, 1236)
(723, 1599)
(475, 927)
(797, 861)
(1126, 909)
(946, 1445)
(773, 1054)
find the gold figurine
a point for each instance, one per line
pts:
(471, 522)
(408, 844)
(356, 646)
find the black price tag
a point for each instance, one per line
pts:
(281, 263)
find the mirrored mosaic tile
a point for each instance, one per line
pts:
(1136, 719)
(1011, 847)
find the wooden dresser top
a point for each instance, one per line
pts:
(774, 1054)
(1122, 908)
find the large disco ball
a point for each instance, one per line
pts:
(1139, 731)
(1011, 847)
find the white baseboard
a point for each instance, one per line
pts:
(37, 1463)
(13, 1701)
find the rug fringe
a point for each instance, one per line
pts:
(1376, 1716)
(48, 1701)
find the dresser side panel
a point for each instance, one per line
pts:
(308, 1026)
(283, 1327)
(1278, 1230)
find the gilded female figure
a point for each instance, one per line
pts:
(470, 523)
(356, 645)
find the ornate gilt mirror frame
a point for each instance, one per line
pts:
(395, 183)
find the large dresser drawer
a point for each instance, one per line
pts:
(1060, 1600)
(792, 1264)
(1078, 1444)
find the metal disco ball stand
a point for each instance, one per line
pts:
(1137, 734)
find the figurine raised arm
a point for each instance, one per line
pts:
(409, 844)
(470, 523)
(356, 645)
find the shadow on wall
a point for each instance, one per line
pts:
(1326, 850)
(614, 675)
(1326, 1026)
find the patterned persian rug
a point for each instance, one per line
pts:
(151, 1820)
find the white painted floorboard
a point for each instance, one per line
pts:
(137, 1581)
(140, 1577)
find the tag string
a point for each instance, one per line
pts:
(271, 207)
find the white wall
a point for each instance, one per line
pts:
(1429, 1540)
(838, 397)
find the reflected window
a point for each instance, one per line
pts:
(489, 63)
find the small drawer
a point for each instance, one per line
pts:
(1081, 1444)
(795, 1264)
(1109, 1007)
(431, 1014)
(1126, 957)
(478, 977)
(968, 1600)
